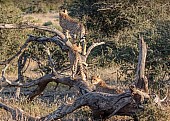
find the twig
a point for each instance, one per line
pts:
(47, 50)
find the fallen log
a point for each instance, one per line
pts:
(103, 106)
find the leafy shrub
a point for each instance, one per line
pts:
(9, 39)
(104, 18)
(119, 24)
(48, 23)
(38, 6)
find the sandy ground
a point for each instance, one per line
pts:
(42, 18)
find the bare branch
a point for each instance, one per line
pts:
(3, 78)
(91, 47)
(157, 101)
(45, 28)
(2, 88)
(25, 26)
(21, 64)
(42, 82)
(47, 50)
(64, 110)
(12, 26)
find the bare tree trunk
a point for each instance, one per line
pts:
(140, 73)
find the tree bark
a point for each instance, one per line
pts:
(140, 73)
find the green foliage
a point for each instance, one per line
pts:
(119, 24)
(10, 40)
(38, 6)
(105, 19)
(9, 13)
(47, 23)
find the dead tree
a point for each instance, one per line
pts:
(103, 105)
(65, 44)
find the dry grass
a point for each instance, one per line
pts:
(51, 99)
(152, 113)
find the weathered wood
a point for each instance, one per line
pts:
(42, 82)
(103, 105)
(26, 26)
(140, 72)
(90, 49)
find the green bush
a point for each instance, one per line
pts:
(48, 23)
(9, 39)
(38, 6)
(105, 19)
(119, 24)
